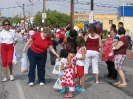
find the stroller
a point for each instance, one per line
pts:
(129, 42)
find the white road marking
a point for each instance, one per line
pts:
(20, 90)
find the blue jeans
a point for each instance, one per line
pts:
(40, 61)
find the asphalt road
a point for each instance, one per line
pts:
(19, 88)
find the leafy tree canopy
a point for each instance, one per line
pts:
(16, 19)
(53, 18)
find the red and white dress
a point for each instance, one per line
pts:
(70, 74)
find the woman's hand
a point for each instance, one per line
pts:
(24, 50)
(14, 43)
(57, 56)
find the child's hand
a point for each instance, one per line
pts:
(62, 68)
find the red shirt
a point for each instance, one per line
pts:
(99, 30)
(107, 49)
(40, 45)
(123, 49)
(62, 33)
(92, 43)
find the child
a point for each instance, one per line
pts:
(115, 40)
(80, 62)
(63, 56)
(52, 56)
(69, 71)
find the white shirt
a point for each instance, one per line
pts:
(7, 37)
(64, 61)
(79, 55)
(31, 32)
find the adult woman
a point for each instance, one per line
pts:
(93, 42)
(120, 56)
(106, 51)
(7, 39)
(37, 54)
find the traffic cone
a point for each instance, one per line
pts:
(132, 52)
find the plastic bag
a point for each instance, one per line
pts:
(57, 84)
(24, 63)
(16, 57)
(56, 69)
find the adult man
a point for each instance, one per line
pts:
(99, 30)
(120, 25)
(62, 33)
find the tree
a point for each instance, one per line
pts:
(53, 18)
(38, 18)
(16, 19)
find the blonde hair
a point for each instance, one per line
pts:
(47, 30)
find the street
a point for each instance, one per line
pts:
(19, 88)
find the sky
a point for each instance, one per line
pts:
(100, 6)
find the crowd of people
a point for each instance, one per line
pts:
(80, 49)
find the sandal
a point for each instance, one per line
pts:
(68, 96)
(122, 85)
(117, 83)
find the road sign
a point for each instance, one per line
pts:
(91, 17)
(43, 15)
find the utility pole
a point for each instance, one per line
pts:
(72, 14)
(91, 13)
(24, 15)
(118, 10)
(0, 18)
(31, 7)
(31, 10)
(123, 10)
(44, 13)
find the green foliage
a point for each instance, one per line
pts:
(105, 34)
(53, 18)
(38, 18)
(16, 19)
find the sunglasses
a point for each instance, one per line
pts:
(6, 24)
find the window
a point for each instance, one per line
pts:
(110, 21)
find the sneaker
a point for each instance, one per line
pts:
(62, 91)
(81, 90)
(11, 77)
(41, 84)
(76, 88)
(97, 82)
(31, 84)
(4, 80)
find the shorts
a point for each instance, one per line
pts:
(119, 60)
(80, 70)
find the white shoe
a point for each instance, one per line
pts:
(4, 80)
(11, 77)
(97, 82)
(31, 84)
(41, 84)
